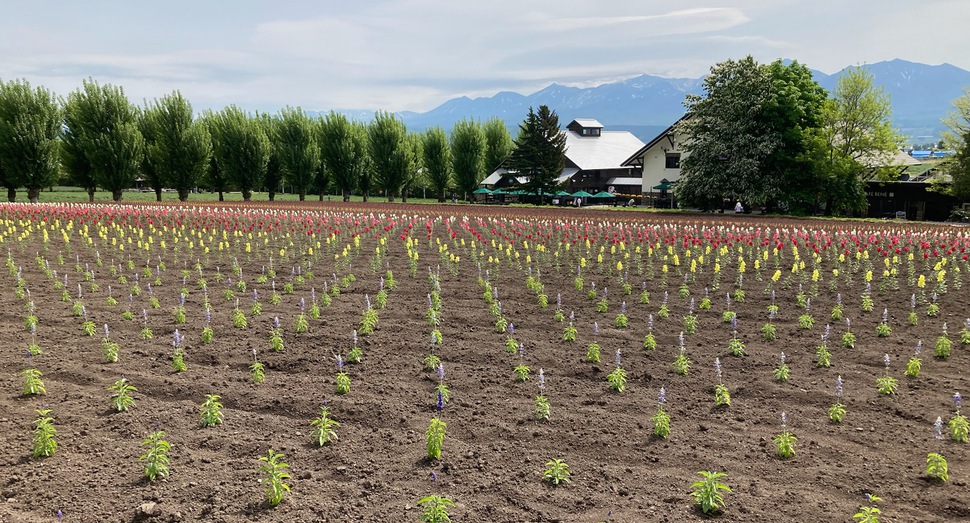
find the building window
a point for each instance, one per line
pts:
(672, 161)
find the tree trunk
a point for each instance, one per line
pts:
(404, 196)
(346, 195)
(247, 195)
(116, 194)
(272, 195)
(302, 195)
(91, 194)
(33, 194)
(390, 197)
(11, 194)
(365, 196)
(222, 198)
(183, 195)
(321, 196)
(158, 194)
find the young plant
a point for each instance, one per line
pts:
(936, 467)
(663, 311)
(886, 384)
(965, 333)
(211, 411)
(781, 372)
(109, 349)
(569, 332)
(521, 370)
(806, 321)
(661, 420)
(682, 362)
(557, 472)
(33, 385)
(848, 339)
(722, 397)
(837, 409)
(276, 335)
(356, 353)
(44, 442)
(156, 457)
(707, 491)
(735, 345)
(593, 349)
(324, 428)
(768, 330)
(869, 514)
(784, 442)
(257, 371)
(913, 316)
(959, 426)
(434, 509)
(690, 319)
(542, 407)
(121, 398)
(649, 342)
(621, 320)
(883, 330)
(301, 324)
(435, 437)
(943, 345)
(838, 309)
(178, 353)
(274, 474)
(915, 364)
(617, 378)
(342, 380)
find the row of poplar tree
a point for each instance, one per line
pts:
(97, 138)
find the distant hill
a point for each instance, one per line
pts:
(921, 95)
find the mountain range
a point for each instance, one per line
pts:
(646, 105)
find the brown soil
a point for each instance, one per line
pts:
(494, 452)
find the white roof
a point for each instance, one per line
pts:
(496, 175)
(606, 151)
(623, 180)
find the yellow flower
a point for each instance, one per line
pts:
(835, 273)
(921, 282)
(619, 266)
(776, 275)
(868, 276)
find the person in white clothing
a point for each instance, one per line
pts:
(738, 208)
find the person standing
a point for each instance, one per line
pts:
(738, 208)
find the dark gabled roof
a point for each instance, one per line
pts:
(629, 161)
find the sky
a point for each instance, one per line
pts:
(416, 54)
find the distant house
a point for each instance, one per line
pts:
(911, 193)
(594, 161)
(657, 164)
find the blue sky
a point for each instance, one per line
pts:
(416, 54)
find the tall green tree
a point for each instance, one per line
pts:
(958, 136)
(149, 170)
(468, 156)
(498, 143)
(274, 172)
(856, 135)
(103, 146)
(297, 148)
(437, 161)
(343, 150)
(178, 146)
(411, 163)
(726, 139)
(241, 149)
(540, 151)
(364, 168)
(388, 155)
(30, 123)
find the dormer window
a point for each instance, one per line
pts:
(585, 127)
(591, 131)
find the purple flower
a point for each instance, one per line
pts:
(885, 361)
(255, 295)
(441, 401)
(773, 295)
(382, 285)
(340, 362)
(938, 428)
(303, 303)
(957, 400)
(276, 322)
(354, 337)
(541, 380)
(177, 339)
(572, 316)
(596, 328)
(706, 293)
(691, 307)
(105, 330)
(313, 292)
(848, 324)
(181, 300)
(662, 397)
(665, 298)
(559, 302)
(208, 315)
(868, 287)
(734, 322)
(919, 347)
(717, 368)
(434, 476)
(784, 419)
(838, 299)
(838, 386)
(681, 340)
(623, 308)
(944, 328)
(727, 298)
(511, 329)
(885, 315)
(521, 350)
(617, 357)
(781, 359)
(912, 301)
(808, 304)
(933, 297)
(441, 371)
(429, 300)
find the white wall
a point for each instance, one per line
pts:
(655, 159)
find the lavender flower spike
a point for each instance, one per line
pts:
(541, 380)
(957, 400)
(938, 428)
(662, 397)
(838, 386)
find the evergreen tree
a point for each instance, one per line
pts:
(540, 152)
